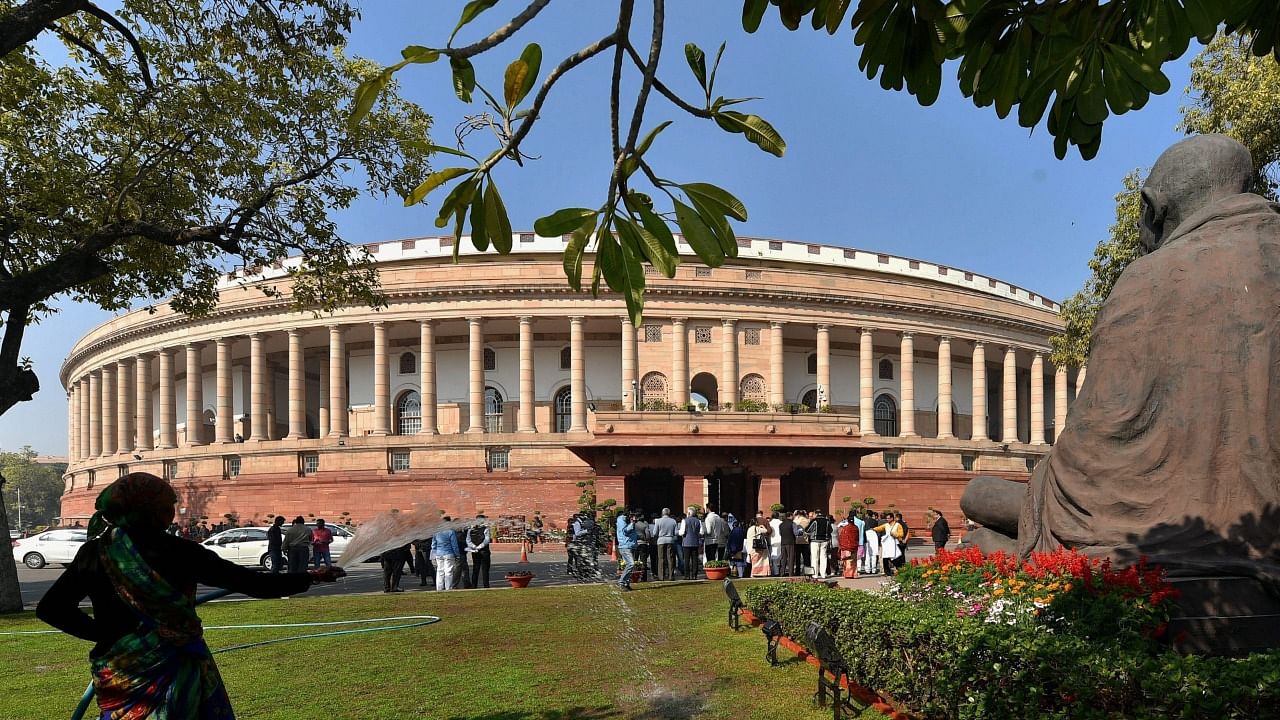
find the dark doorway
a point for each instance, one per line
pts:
(734, 490)
(704, 385)
(652, 489)
(806, 489)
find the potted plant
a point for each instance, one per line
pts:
(519, 578)
(716, 569)
(637, 572)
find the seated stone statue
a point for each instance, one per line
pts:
(1172, 448)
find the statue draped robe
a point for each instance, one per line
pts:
(1172, 448)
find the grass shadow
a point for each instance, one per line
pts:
(602, 712)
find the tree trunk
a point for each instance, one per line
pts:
(10, 592)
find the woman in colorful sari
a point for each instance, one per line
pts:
(848, 542)
(149, 659)
(757, 544)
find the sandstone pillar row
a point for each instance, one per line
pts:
(73, 422)
(866, 404)
(86, 417)
(475, 392)
(729, 382)
(1059, 401)
(777, 391)
(679, 362)
(1037, 399)
(338, 411)
(297, 386)
(142, 402)
(525, 423)
(1009, 397)
(223, 422)
(124, 407)
(168, 403)
(577, 378)
(195, 396)
(108, 409)
(381, 382)
(258, 388)
(824, 394)
(630, 383)
(322, 411)
(944, 388)
(427, 375)
(95, 414)
(979, 391)
(908, 359)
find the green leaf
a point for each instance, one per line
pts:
(619, 261)
(420, 55)
(496, 221)
(698, 235)
(574, 251)
(521, 75)
(632, 163)
(433, 181)
(1140, 69)
(697, 62)
(469, 13)
(719, 226)
(718, 198)
(458, 198)
(715, 66)
(563, 221)
(429, 147)
(752, 13)
(649, 246)
(755, 129)
(479, 233)
(657, 227)
(366, 93)
(464, 78)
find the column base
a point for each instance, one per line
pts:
(528, 430)
(948, 436)
(911, 434)
(380, 433)
(294, 436)
(474, 430)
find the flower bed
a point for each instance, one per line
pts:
(967, 636)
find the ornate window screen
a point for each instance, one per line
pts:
(408, 364)
(653, 388)
(490, 359)
(753, 389)
(652, 333)
(702, 335)
(751, 336)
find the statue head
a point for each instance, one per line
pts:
(1192, 174)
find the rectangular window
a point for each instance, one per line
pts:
(913, 264)
(122, 470)
(399, 461)
(850, 254)
(967, 461)
(702, 335)
(702, 272)
(496, 458)
(753, 274)
(170, 469)
(751, 336)
(1031, 463)
(93, 477)
(407, 244)
(814, 249)
(775, 245)
(652, 333)
(526, 237)
(310, 463)
(231, 466)
(891, 461)
(650, 270)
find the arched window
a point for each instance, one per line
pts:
(564, 409)
(653, 390)
(810, 401)
(408, 414)
(811, 364)
(492, 410)
(886, 416)
(408, 363)
(886, 369)
(752, 389)
(490, 359)
(566, 358)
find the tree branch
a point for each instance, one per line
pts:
(129, 37)
(667, 92)
(616, 180)
(497, 36)
(22, 24)
(623, 33)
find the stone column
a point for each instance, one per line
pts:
(777, 389)
(108, 410)
(729, 362)
(577, 378)
(338, 412)
(630, 383)
(258, 389)
(1059, 401)
(86, 417)
(124, 408)
(525, 423)
(908, 360)
(95, 414)
(1037, 399)
(73, 418)
(1009, 397)
(1080, 378)
(824, 366)
(168, 405)
(297, 386)
(475, 393)
(195, 396)
(322, 411)
(679, 362)
(979, 391)
(142, 402)
(224, 423)
(381, 383)
(944, 388)
(866, 401)
(427, 375)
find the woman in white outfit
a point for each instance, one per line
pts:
(871, 558)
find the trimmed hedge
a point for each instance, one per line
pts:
(943, 666)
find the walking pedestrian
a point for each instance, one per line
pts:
(393, 561)
(297, 542)
(626, 536)
(478, 546)
(321, 539)
(939, 530)
(665, 529)
(444, 553)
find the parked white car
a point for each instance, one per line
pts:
(54, 546)
(248, 545)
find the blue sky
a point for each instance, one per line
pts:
(864, 167)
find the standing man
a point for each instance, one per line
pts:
(819, 531)
(871, 557)
(690, 540)
(626, 536)
(787, 545)
(644, 541)
(321, 539)
(422, 551)
(275, 544)
(393, 562)
(586, 545)
(665, 530)
(716, 530)
(478, 544)
(940, 530)
(298, 541)
(444, 553)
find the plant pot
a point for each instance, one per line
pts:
(519, 581)
(716, 573)
(637, 576)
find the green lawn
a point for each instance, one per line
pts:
(582, 653)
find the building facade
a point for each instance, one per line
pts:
(800, 374)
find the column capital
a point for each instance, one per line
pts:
(474, 320)
(526, 320)
(776, 324)
(978, 344)
(679, 320)
(576, 318)
(379, 323)
(333, 328)
(259, 336)
(222, 341)
(944, 339)
(865, 330)
(123, 362)
(427, 322)
(1010, 349)
(295, 332)
(729, 322)
(95, 372)
(626, 320)
(142, 357)
(907, 334)
(1037, 353)
(167, 351)
(194, 345)
(822, 327)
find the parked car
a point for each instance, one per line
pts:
(54, 546)
(248, 545)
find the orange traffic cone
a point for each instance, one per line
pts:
(524, 552)
(613, 551)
